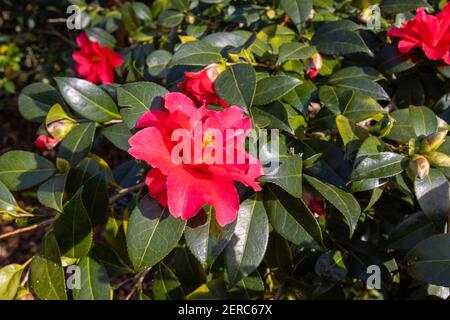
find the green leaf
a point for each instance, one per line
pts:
(409, 232)
(273, 116)
(399, 6)
(291, 218)
(364, 86)
(157, 61)
(78, 143)
(109, 258)
(7, 201)
(10, 281)
(354, 73)
(402, 131)
(343, 201)
(101, 36)
(94, 281)
(196, 53)
(433, 195)
(329, 97)
(51, 193)
(170, 18)
(47, 273)
(152, 234)
(295, 51)
(248, 288)
(339, 42)
(95, 198)
(390, 60)
(129, 17)
(118, 134)
(273, 88)
(248, 245)
(21, 170)
(288, 176)
(429, 261)
(73, 228)
(166, 285)
(298, 10)
(208, 240)
(423, 120)
(237, 85)
(136, 99)
(214, 289)
(36, 99)
(188, 269)
(87, 99)
(381, 165)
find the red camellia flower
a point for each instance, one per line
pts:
(186, 186)
(428, 32)
(95, 63)
(315, 204)
(199, 86)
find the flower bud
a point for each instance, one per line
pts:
(420, 166)
(433, 141)
(439, 159)
(313, 65)
(60, 129)
(315, 203)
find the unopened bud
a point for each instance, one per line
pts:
(433, 141)
(313, 65)
(439, 159)
(60, 129)
(420, 166)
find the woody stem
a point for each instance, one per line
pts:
(124, 192)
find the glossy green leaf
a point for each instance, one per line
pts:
(47, 273)
(288, 176)
(248, 245)
(157, 61)
(95, 198)
(207, 240)
(118, 134)
(423, 120)
(270, 89)
(109, 258)
(36, 99)
(7, 201)
(248, 288)
(364, 86)
(21, 170)
(381, 165)
(166, 285)
(298, 10)
(152, 234)
(78, 143)
(237, 85)
(101, 36)
(51, 193)
(294, 51)
(137, 98)
(170, 18)
(87, 99)
(10, 276)
(429, 261)
(94, 281)
(73, 228)
(340, 42)
(398, 6)
(433, 195)
(196, 53)
(343, 201)
(291, 218)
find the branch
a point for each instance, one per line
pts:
(26, 229)
(137, 284)
(126, 191)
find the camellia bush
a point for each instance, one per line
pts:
(291, 149)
